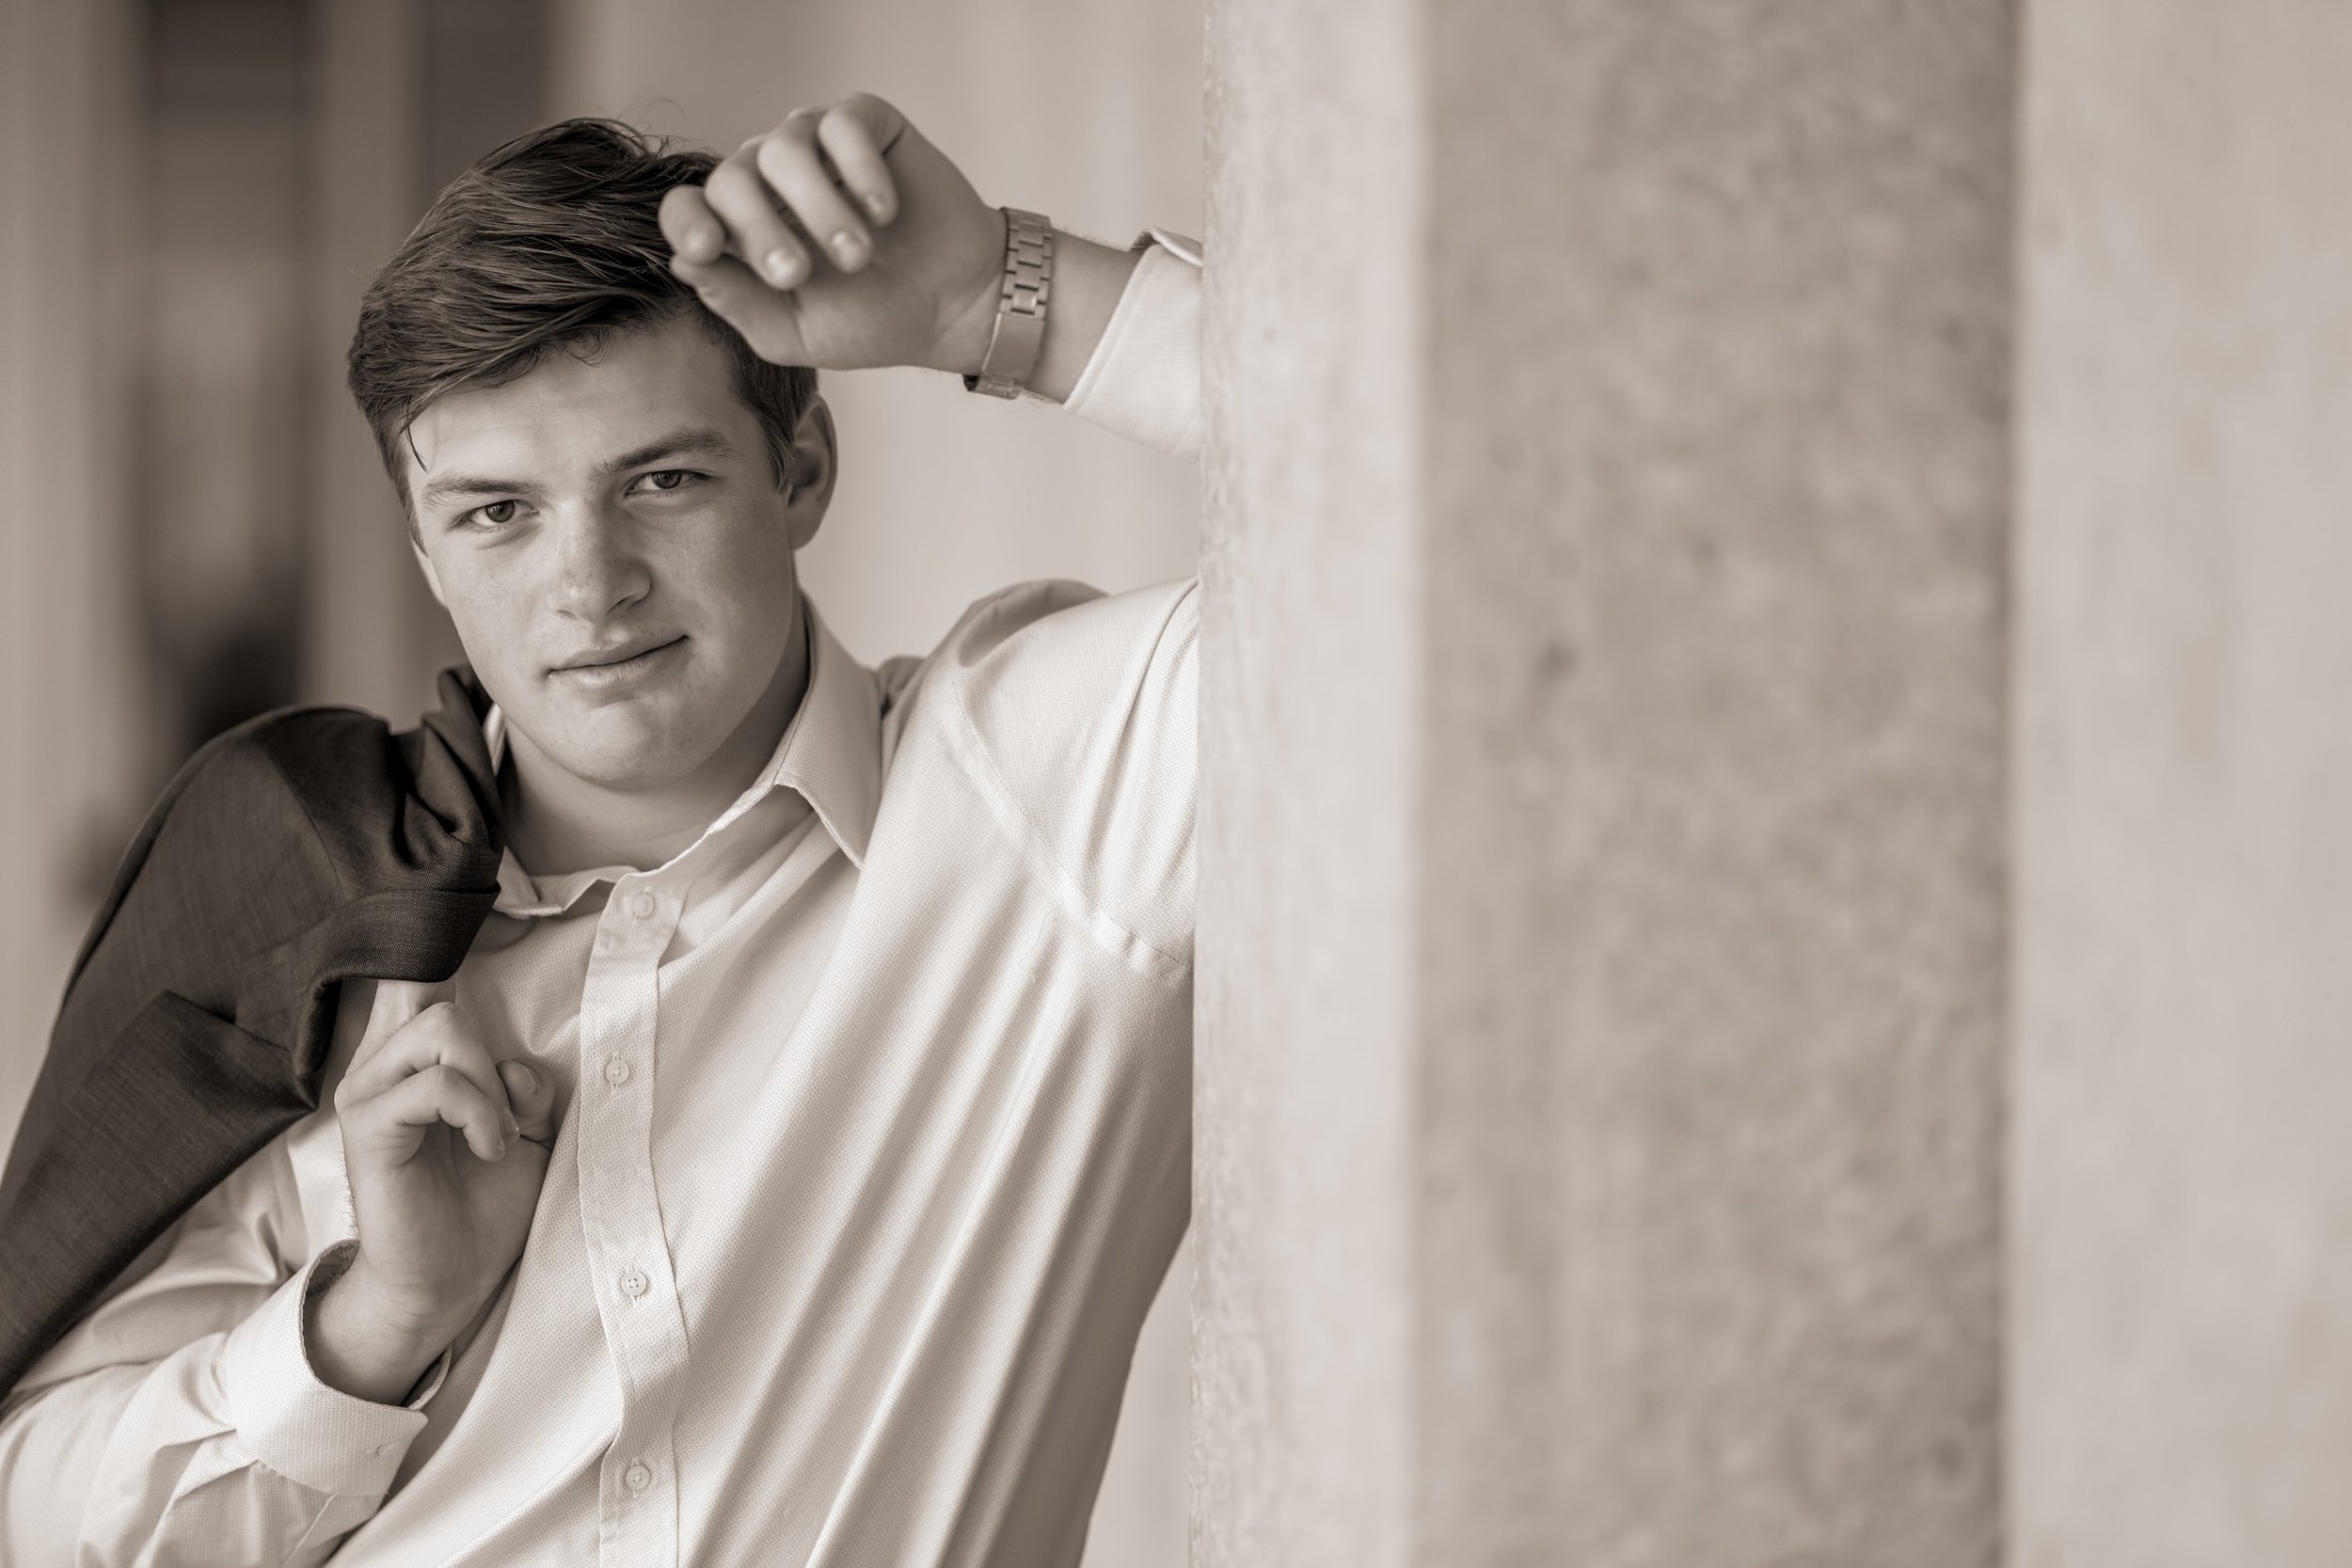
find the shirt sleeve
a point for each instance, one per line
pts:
(1144, 379)
(180, 1422)
(1076, 717)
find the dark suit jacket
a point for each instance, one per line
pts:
(299, 849)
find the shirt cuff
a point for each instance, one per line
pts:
(1144, 379)
(314, 1435)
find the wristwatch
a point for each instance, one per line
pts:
(1020, 331)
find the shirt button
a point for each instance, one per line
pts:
(639, 1476)
(642, 906)
(633, 1282)
(615, 1071)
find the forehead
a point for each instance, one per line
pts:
(574, 409)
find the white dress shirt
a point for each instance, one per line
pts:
(875, 1144)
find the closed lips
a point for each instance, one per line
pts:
(618, 655)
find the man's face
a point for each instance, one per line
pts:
(610, 538)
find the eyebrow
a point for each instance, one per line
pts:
(687, 441)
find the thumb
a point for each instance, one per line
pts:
(531, 1093)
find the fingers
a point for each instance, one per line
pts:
(396, 1120)
(691, 228)
(738, 197)
(531, 1093)
(813, 186)
(438, 1037)
(790, 161)
(856, 134)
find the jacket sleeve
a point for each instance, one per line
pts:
(180, 1422)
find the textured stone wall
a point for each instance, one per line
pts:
(1602, 933)
(2181, 1195)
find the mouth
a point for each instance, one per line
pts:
(621, 664)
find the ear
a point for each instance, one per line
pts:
(425, 564)
(816, 462)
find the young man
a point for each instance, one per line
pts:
(786, 1172)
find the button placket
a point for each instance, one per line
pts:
(643, 1328)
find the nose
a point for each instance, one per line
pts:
(598, 566)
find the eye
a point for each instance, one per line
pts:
(668, 481)
(494, 514)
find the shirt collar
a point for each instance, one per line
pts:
(831, 752)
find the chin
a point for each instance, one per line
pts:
(616, 748)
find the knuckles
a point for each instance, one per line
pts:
(733, 181)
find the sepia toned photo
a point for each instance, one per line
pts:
(1054, 784)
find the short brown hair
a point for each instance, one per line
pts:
(551, 242)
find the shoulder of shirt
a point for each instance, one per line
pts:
(1069, 713)
(1033, 639)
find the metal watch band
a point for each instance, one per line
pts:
(1020, 331)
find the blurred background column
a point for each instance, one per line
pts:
(2182, 1197)
(361, 617)
(1601, 935)
(74, 718)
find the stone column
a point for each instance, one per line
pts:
(2182, 1196)
(1601, 935)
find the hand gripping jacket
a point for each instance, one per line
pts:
(300, 849)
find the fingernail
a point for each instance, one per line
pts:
(497, 1150)
(876, 205)
(702, 244)
(848, 248)
(528, 1076)
(783, 267)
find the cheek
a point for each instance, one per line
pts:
(490, 622)
(740, 582)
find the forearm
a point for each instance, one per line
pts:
(104, 1471)
(227, 1448)
(1088, 281)
(231, 1448)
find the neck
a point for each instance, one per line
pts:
(558, 822)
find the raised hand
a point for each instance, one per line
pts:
(842, 239)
